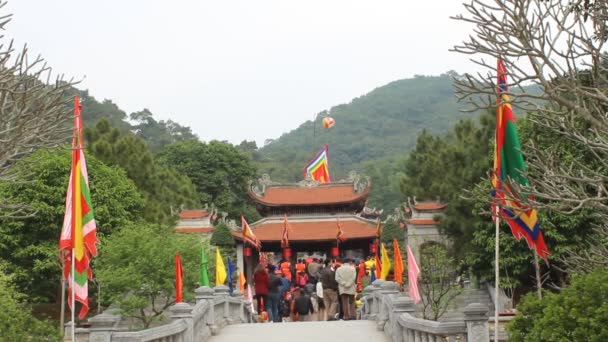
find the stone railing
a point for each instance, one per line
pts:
(214, 309)
(394, 313)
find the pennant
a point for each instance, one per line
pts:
(231, 270)
(248, 234)
(360, 276)
(509, 168)
(318, 167)
(412, 276)
(179, 279)
(250, 297)
(79, 232)
(378, 266)
(398, 260)
(204, 272)
(220, 269)
(386, 263)
(242, 282)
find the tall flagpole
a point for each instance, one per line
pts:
(73, 299)
(496, 276)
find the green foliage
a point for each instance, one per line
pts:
(30, 245)
(437, 286)
(16, 321)
(219, 171)
(221, 236)
(390, 231)
(578, 313)
(158, 134)
(163, 187)
(137, 269)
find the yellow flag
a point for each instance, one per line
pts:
(386, 263)
(220, 269)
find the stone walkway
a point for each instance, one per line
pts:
(350, 331)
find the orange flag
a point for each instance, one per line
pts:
(242, 282)
(398, 261)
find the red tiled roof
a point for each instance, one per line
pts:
(195, 230)
(313, 231)
(429, 205)
(422, 221)
(193, 214)
(321, 194)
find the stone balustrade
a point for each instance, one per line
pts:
(394, 313)
(214, 309)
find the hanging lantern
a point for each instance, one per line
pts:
(328, 122)
(373, 248)
(286, 252)
(247, 251)
(335, 252)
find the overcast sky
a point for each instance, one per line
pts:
(235, 70)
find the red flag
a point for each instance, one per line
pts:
(360, 276)
(412, 276)
(179, 282)
(378, 266)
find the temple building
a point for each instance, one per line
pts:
(196, 221)
(314, 210)
(422, 220)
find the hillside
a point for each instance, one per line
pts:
(380, 125)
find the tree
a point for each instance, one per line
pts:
(30, 245)
(438, 285)
(164, 189)
(222, 237)
(577, 313)
(137, 270)
(16, 320)
(36, 112)
(219, 171)
(158, 134)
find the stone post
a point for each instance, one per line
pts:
(183, 311)
(387, 290)
(102, 326)
(375, 288)
(80, 334)
(205, 293)
(476, 319)
(222, 292)
(401, 304)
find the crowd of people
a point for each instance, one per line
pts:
(313, 290)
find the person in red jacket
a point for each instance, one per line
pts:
(261, 281)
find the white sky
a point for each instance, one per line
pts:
(239, 69)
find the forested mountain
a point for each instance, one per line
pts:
(380, 125)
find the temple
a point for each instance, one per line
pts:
(314, 210)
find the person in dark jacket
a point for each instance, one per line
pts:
(260, 278)
(274, 293)
(330, 291)
(301, 306)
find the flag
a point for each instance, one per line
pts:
(378, 266)
(412, 276)
(318, 167)
(204, 273)
(231, 270)
(398, 262)
(509, 168)
(372, 274)
(378, 228)
(285, 235)
(339, 234)
(360, 276)
(79, 232)
(220, 269)
(179, 279)
(242, 282)
(250, 297)
(248, 234)
(386, 263)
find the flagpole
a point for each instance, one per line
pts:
(496, 275)
(539, 284)
(73, 299)
(62, 318)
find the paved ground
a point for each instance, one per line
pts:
(350, 331)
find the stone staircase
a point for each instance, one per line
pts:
(468, 296)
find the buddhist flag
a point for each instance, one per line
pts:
(318, 167)
(398, 262)
(386, 263)
(510, 168)
(340, 233)
(204, 272)
(79, 232)
(179, 280)
(285, 234)
(248, 234)
(412, 276)
(220, 269)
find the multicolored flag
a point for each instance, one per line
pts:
(510, 168)
(398, 260)
(220, 269)
(318, 167)
(248, 234)
(179, 279)
(285, 235)
(79, 232)
(340, 233)
(386, 263)
(412, 276)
